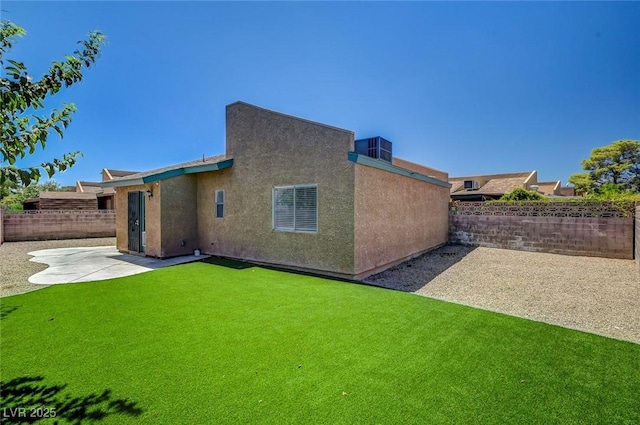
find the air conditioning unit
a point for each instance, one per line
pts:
(375, 147)
(471, 185)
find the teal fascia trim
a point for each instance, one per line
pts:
(227, 163)
(163, 176)
(189, 170)
(387, 166)
(171, 173)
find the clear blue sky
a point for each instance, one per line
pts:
(468, 88)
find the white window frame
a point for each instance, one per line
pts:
(219, 203)
(294, 228)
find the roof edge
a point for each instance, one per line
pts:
(191, 169)
(526, 182)
(494, 176)
(239, 102)
(386, 166)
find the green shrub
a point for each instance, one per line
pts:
(613, 192)
(521, 194)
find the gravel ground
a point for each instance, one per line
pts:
(15, 267)
(597, 295)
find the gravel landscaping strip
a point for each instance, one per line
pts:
(15, 267)
(597, 295)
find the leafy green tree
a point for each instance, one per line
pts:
(581, 182)
(522, 194)
(14, 200)
(617, 163)
(24, 132)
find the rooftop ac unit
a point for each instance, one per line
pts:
(374, 147)
(471, 185)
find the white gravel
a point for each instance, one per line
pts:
(597, 295)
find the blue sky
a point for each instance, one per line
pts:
(468, 88)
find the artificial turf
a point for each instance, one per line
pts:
(203, 343)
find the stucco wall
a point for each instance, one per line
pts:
(152, 218)
(179, 218)
(397, 217)
(271, 149)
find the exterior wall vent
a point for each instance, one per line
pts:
(471, 185)
(375, 147)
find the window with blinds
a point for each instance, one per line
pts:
(295, 208)
(219, 203)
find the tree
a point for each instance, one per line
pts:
(617, 163)
(581, 182)
(14, 200)
(22, 131)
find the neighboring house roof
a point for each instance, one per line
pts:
(492, 184)
(212, 163)
(94, 187)
(108, 174)
(88, 187)
(549, 188)
(67, 195)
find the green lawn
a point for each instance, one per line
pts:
(202, 343)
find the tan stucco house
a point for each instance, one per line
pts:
(288, 192)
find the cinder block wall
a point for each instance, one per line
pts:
(637, 232)
(610, 237)
(62, 225)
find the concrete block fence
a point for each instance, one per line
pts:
(637, 236)
(58, 224)
(591, 229)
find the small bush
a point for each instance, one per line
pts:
(521, 194)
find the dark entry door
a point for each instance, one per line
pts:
(134, 222)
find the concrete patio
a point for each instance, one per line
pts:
(87, 264)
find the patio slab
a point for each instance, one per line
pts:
(88, 264)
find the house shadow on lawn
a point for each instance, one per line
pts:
(414, 274)
(229, 263)
(28, 400)
(408, 276)
(241, 265)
